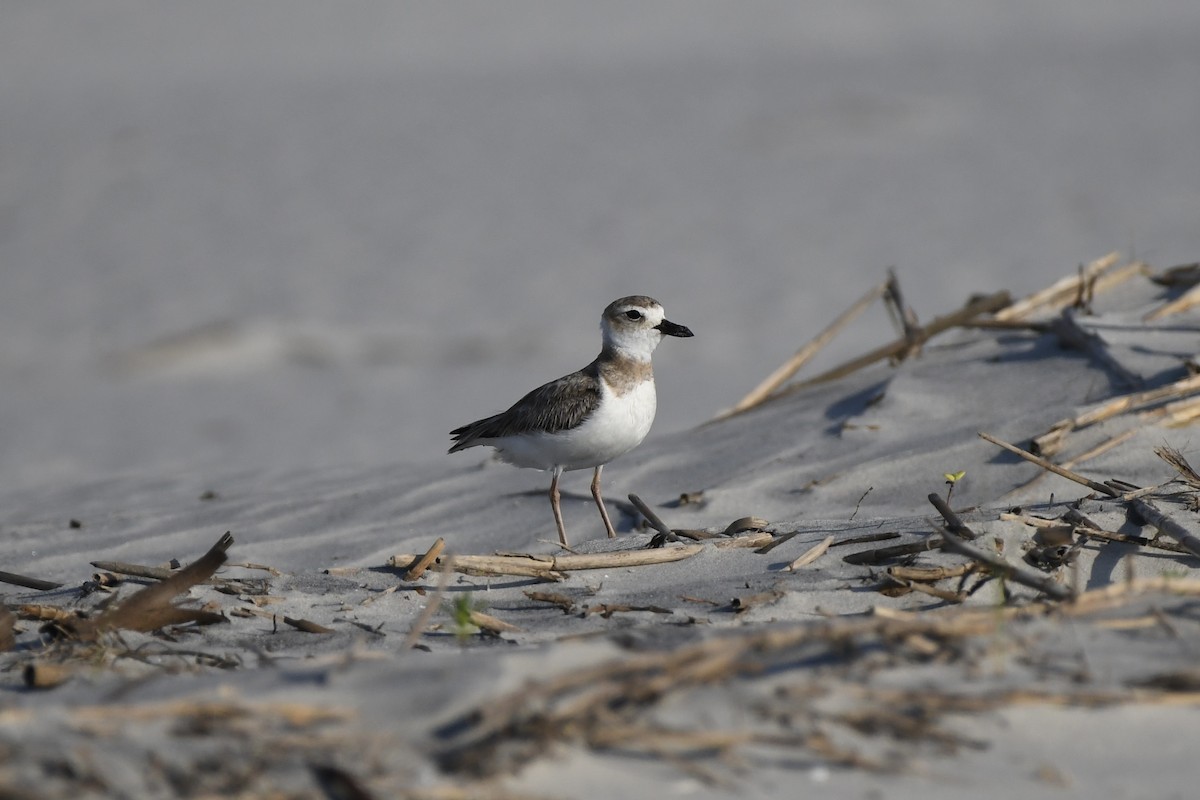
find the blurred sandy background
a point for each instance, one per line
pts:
(258, 236)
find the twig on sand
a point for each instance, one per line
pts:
(953, 523)
(423, 563)
(655, 521)
(805, 354)
(550, 567)
(305, 625)
(1050, 465)
(1095, 452)
(1187, 300)
(881, 554)
(29, 583)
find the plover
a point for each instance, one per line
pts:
(587, 418)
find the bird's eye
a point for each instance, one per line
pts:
(633, 314)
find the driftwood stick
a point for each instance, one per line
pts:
(985, 305)
(1051, 466)
(1155, 517)
(805, 354)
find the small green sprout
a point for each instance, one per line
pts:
(952, 478)
(461, 610)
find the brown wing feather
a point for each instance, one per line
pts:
(555, 406)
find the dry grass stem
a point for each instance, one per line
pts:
(986, 305)
(1051, 466)
(1070, 463)
(1051, 441)
(431, 605)
(1060, 294)
(1186, 301)
(551, 567)
(805, 354)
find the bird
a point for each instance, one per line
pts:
(587, 418)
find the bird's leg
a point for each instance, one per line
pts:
(562, 531)
(600, 503)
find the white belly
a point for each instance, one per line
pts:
(616, 427)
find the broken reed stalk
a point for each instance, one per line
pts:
(1050, 442)
(1061, 293)
(802, 356)
(654, 520)
(812, 554)
(1050, 465)
(1154, 517)
(1095, 452)
(985, 305)
(953, 523)
(423, 563)
(1185, 301)
(308, 626)
(431, 605)
(29, 583)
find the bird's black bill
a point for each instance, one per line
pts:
(669, 328)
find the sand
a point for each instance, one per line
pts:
(254, 272)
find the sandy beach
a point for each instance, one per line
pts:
(253, 273)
